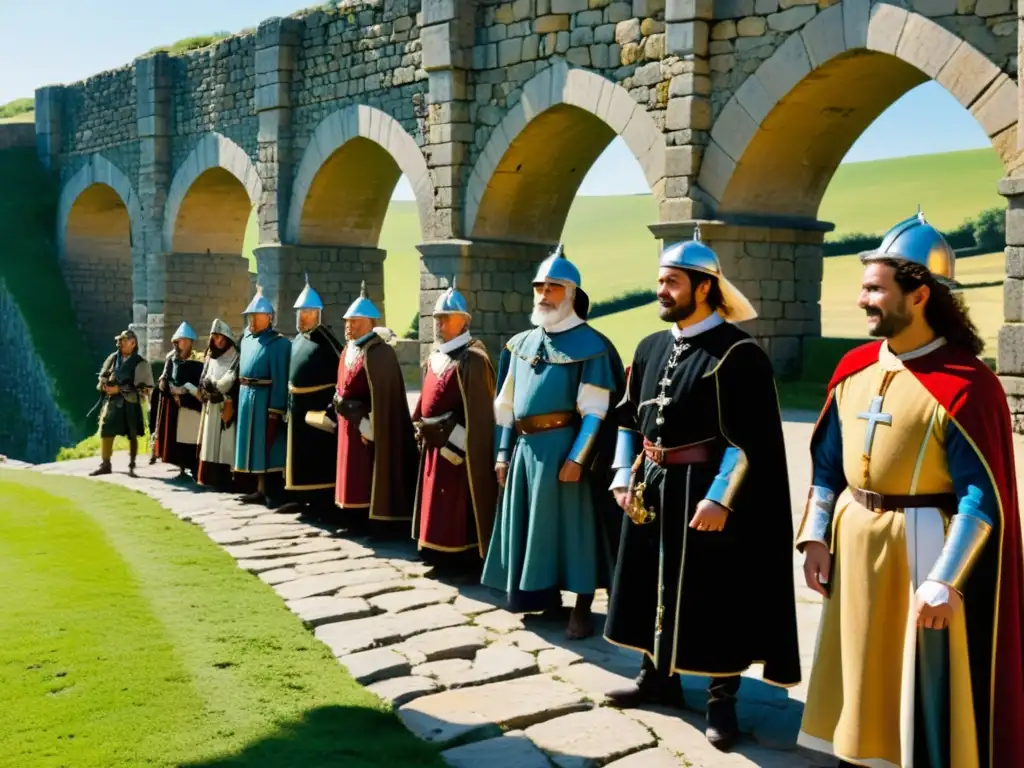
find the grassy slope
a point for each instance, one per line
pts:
(28, 265)
(131, 639)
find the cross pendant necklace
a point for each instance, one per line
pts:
(663, 399)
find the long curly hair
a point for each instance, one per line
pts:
(945, 312)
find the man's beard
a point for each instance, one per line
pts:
(546, 318)
(678, 312)
(889, 324)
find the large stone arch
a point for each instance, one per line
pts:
(563, 121)
(346, 177)
(779, 139)
(211, 198)
(99, 221)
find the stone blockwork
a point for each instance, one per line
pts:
(32, 428)
(738, 112)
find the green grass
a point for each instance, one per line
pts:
(870, 197)
(191, 43)
(13, 110)
(132, 639)
(29, 268)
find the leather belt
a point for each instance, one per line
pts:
(308, 390)
(881, 502)
(245, 381)
(545, 421)
(698, 453)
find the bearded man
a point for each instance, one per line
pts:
(125, 380)
(912, 534)
(177, 428)
(262, 400)
(376, 479)
(454, 419)
(218, 389)
(310, 464)
(556, 383)
(701, 473)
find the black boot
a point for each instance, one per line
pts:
(723, 726)
(651, 687)
(104, 469)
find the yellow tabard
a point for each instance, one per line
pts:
(860, 702)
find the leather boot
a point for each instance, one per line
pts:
(103, 469)
(651, 687)
(723, 726)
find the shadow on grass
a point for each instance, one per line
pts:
(329, 736)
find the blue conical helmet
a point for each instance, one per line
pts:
(558, 269)
(451, 302)
(696, 255)
(363, 307)
(917, 241)
(184, 332)
(260, 304)
(308, 299)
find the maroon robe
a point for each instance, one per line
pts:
(355, 458)
(446, 521)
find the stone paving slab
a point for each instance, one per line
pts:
(513, 750)
(460, 669)
(593, 738)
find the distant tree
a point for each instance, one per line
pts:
(990, 229)
(16, 107)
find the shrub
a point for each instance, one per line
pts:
(990, 229)
(16, 107)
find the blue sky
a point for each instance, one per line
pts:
(61, 41)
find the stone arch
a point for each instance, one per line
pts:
(211, 198)
(346, 177)
(562, 122)
(99, 220)
(779, 139)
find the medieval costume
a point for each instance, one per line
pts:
(914, 494)
(555, 384)
(218, 389)
(125, 380)
(376, 478)
(310, 462)
(154, 410)
(177, 427)
(701, 421)
(262, 400)
(457, 489)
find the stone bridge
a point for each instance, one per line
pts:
(738, 111)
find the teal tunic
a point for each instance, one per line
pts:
(264, 356)
(546, 537)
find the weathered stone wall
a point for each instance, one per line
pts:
(13, 135)
(213, 90)
(745, 33)
(32, 428)
(101, 291)
(369, 54)
(621, 41)
(99, 113)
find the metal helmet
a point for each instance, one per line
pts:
(126, 335)
(219, 326)
(451, 302)
(260, 304)
(308, 299)
(363, 307)
(558, 269)
(184, 332)
(697, 256)
(916, 241)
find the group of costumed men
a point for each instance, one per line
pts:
(667, 483)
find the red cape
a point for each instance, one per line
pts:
(974, 399)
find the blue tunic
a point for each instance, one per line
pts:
(545, 535)
(264, 356)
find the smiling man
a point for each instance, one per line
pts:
(704, 581)
(556, 383)
(911, 532)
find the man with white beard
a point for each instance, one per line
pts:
(556, 383)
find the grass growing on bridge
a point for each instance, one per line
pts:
(131, 639)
